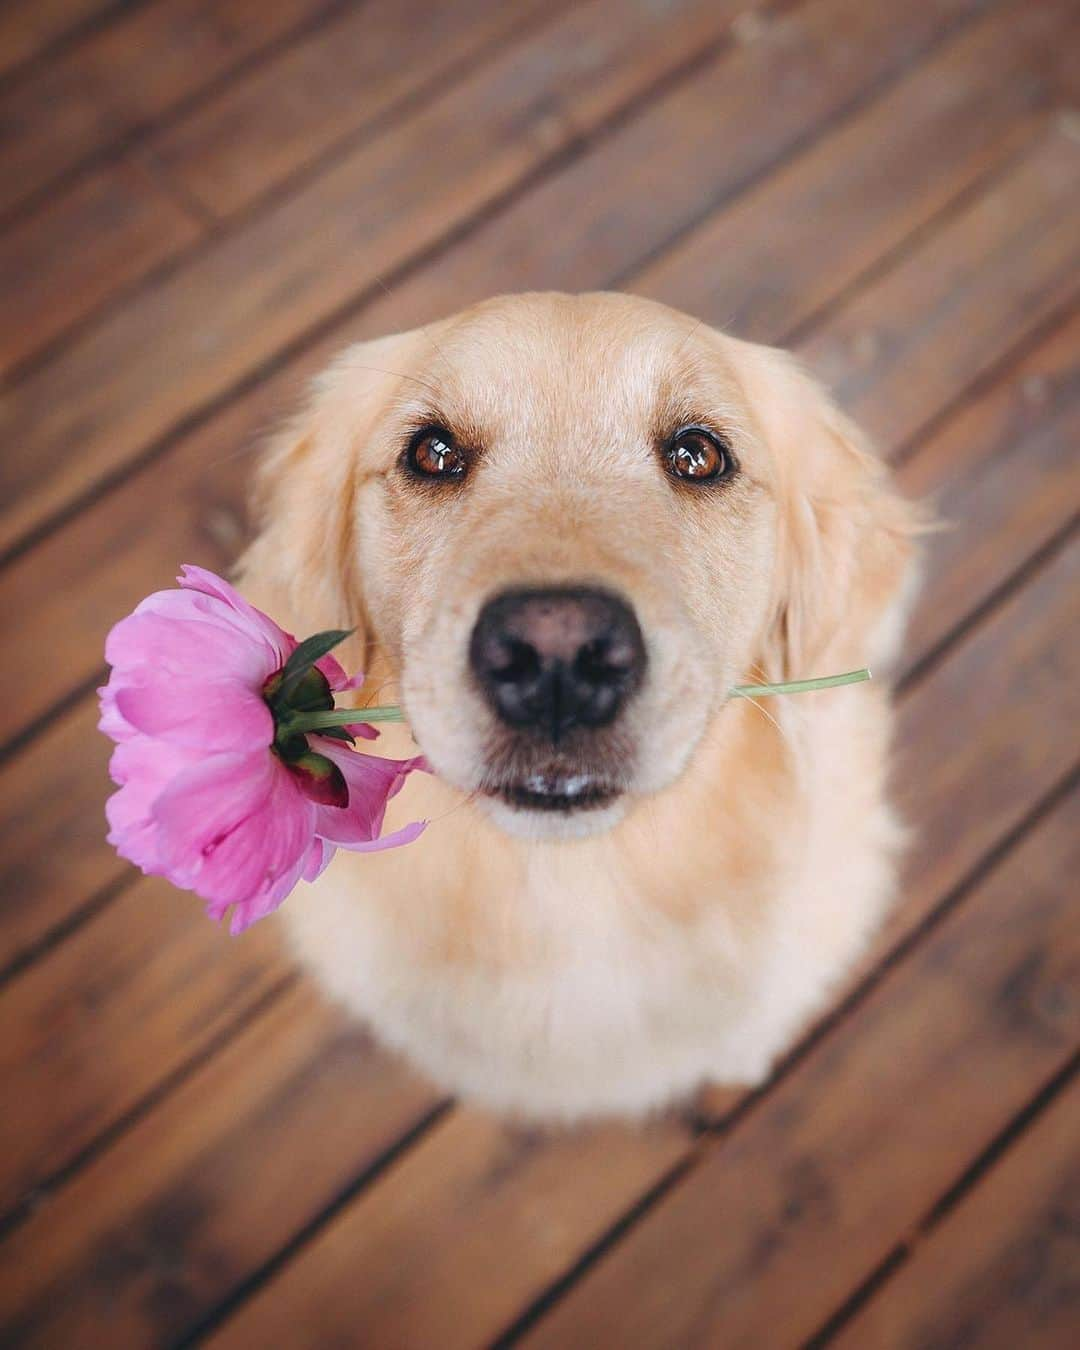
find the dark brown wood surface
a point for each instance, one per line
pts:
(199, 204)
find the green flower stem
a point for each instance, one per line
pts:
(337, 717)
(801, 686)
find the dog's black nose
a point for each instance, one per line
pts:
(556, 659)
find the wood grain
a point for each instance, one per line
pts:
(143, 987)
(818, 61)
(768, 1235)
(264, 126)
(1000, 1271)
(1023, 227)
(121, 77)
(981, 725)
(198, 332)
(150, 1236)
(53, 854)
(28, 27)
(1003, 477)
(469, 1226)
(905, 157)
(95, 241)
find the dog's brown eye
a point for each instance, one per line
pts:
(433, 454)
(697, 455)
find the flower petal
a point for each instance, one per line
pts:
(235, 830)
(334, 671)
(318, 859)
(372, 781)
(213, 716)
(143, 769)
(198, 579)
(189, 649)
(395, 839)
(263, 902)
(111, 723)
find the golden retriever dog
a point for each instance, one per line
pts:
(564, 526)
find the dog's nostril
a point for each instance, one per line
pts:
(555, 659)
(518, 662)
(605, 659)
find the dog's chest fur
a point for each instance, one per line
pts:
(615, 975)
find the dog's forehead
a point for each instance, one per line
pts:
(554, 359)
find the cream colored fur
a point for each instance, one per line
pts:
(614, 960)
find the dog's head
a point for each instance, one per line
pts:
(565, 526)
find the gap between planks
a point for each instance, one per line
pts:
(901, 1254)
(211, 226)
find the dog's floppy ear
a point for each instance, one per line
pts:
(845, 537)
(303, 566)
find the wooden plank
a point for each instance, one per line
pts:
(143, 987)
(969, 742)
(422, 1259)
(190, 338)
(632, 197)
(113, 1255)
(1001, 1270)
(1004, 478)
(73, 585)
(873, 363)
(27, 27)
(124, 218)
(120, 78)
(882, 176)
(159, 1228)
(267, 124)
(773, 1230)
(53, 854)
(58, 265)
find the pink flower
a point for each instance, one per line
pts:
(233, 781)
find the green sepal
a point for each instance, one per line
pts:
(309, 651)
(311, 693)
(289, 745)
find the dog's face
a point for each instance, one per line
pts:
(566, 525)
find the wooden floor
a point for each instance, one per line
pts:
(199, 202)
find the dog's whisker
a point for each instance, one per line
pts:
(400, 374)
(689, 335)
(466, 800)
(424, 328)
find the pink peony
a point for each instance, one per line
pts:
(233, 778)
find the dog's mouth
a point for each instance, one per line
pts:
(555, 791)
